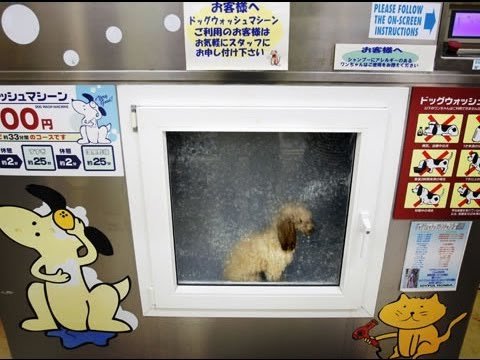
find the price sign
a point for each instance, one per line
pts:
(52, 130)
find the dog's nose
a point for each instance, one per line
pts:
(310, 229)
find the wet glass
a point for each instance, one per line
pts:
(226, 185)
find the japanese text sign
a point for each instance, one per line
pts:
(384, 57)
(434, 255)
(236, 35)
(440, 170)
(60, 131)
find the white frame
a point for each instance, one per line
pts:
(376, 114)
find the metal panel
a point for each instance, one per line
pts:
(150, 53)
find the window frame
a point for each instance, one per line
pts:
(153, 231)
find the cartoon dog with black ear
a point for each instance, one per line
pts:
(430, 164)
(434, 128)
(427, 197)
(89, 130)
(62, 299)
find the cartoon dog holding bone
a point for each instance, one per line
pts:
(62, 299)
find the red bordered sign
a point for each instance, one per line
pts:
(440, 169)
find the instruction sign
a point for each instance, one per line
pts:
(60, 131)
(434, 255)
(384, 57)
(440, 170)
(405, 20)
(236, 35)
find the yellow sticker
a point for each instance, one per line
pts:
(432, 163)
(472, 130)
(426, 195)
(466, 196)
(414, 322)
(469, 164)
(438, 128)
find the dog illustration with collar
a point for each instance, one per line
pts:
(434, 128)
(89, 130)
(431, 164)
(474, 159)
(425, 196)
(67, 303)
(468, 194)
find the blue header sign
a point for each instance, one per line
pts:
(404, 20)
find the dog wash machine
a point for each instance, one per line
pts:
(239, 179)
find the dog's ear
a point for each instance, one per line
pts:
(88, 96)
(287, 234)
(99, 240)
(102, 111)
(49, 196)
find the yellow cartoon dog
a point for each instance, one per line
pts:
(63, 298)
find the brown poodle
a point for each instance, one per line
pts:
(269, 251)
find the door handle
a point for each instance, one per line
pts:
(366, 229)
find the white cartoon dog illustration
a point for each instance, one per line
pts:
(426, 196)
(468, 194)
(474, 159)
(89, 130)
(434, 128)
(62, 299)
(431, 164)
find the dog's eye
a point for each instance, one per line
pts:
(37, 234)
(34, 223)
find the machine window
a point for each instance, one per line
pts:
(259, 207)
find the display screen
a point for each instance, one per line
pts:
(465, 24)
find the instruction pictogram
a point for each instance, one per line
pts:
(438, 128)
(431, 163)
(468, 196)
(426, 195)
(472, 130)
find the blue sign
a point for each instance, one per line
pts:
(404, 20)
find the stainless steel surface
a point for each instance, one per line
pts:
(149, 53)
(145, 45)
(293, 77)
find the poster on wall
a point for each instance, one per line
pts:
(405, 20)
(434, 255)
(384, 57)
(236, 35)
(65, 130)
(440, 170)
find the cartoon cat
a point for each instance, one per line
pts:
(414, 319)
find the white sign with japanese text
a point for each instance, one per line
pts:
(236, 35)
(60, 131)
(434, 255)
(405, 20)
(384, 57)
(476, 64)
